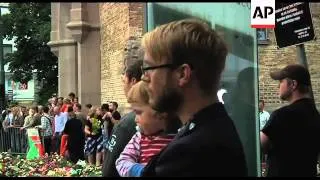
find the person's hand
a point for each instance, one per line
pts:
(109, 114)
(91, 120)
(22, 128)
(104, 116)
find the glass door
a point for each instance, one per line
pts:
(239, 85)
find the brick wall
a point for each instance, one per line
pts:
(123, 21)
(119, 23)
(270, 57)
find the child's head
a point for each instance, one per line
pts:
(148, 120)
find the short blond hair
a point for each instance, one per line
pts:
(193, 42)
(138, 94)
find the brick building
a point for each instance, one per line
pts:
(121, 27)
(121, 30)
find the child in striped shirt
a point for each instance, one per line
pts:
(150, 137)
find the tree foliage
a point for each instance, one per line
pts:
(29, 24)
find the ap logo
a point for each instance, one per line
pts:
(262, 13)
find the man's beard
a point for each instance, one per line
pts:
(169, 102)
(172, 124)
(285, 96)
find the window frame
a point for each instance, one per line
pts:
(265, 41)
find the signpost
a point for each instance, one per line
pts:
(294, 27)
(293, 24)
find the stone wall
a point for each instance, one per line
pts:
(75, 40)
(270, 58)
(120, 22)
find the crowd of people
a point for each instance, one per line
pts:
(177, 126)
(86, 130)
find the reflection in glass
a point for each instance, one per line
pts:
(238, 88)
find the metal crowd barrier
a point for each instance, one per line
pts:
(13, 140)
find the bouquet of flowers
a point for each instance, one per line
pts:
(95, 125)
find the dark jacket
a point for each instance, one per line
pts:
(76, 139)
(120, 136)
(208, 145)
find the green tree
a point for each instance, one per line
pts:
(29, 25)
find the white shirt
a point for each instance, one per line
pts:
(60, 121)
(264, 117)
(10, 118)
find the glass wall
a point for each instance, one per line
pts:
(239, 85)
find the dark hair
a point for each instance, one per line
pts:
(116, 115)
(72, 94)
(78, 106)
(302, 88)
(262, 101)
(115, 104)
(35, 108)
(70, 109)
(61, 98)
(134, 70)
(89, 106)
(105, 107)
(45, 109)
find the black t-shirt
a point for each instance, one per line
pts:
(208, 145)
(121, 135)
(294, 133)
(108, 125)
(116, 115)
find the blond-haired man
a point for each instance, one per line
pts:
(183, 63)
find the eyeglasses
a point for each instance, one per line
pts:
(145, 69)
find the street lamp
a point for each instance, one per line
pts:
(2, 73)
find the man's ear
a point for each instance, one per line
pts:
(184, 74)
(294, 84)
(133, 81)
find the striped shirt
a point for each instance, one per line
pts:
(46, 126)
(140, 149)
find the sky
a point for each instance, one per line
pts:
(6, 41)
